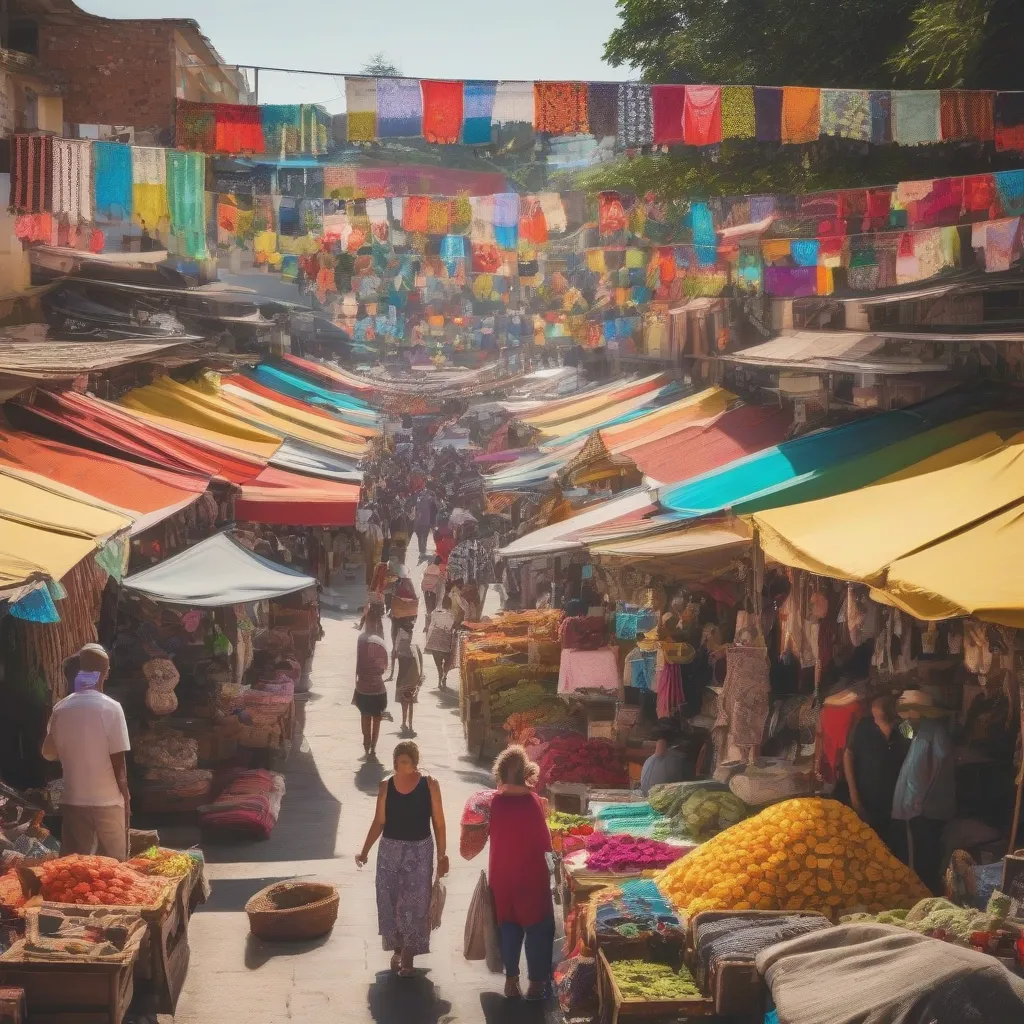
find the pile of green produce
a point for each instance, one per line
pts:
(560, 823)
(699, 810)
(641, 980)
(940, 919)
(525, 697)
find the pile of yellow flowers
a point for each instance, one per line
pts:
(804, 854)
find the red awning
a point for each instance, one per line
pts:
(290, 499)
(694, 450)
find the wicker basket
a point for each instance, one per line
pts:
(293, 911)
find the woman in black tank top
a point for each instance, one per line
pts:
(408, 806)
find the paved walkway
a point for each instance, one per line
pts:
(324, 819)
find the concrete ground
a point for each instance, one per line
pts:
(327, 810)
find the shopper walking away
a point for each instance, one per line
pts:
(405, 606)
(371, 695)
(441, 639)
(426, 509)
(88, 734)
(410, 676)
(519, 876)
(408, 805)
(431, 583)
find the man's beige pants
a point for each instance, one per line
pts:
(91, 830)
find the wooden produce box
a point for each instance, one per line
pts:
(74, 992)
(734, 986)
(614, 1006)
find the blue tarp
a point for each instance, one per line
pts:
(796, 470)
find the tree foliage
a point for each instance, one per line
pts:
(381, 66)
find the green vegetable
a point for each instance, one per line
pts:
(998, 905)
(639, 979)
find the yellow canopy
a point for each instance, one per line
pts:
(28, 553)
(856, 535)
(595, 419)
(696, 551)
(668, 420)
(977, 572)
(180, 408)
(342, 427)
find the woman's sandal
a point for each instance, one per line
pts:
(396, 963)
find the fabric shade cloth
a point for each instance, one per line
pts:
(399, 108)
(915, 117)
(800, 114)
(361, 108)
(215, 573)
(442, 111)
(560, 108)
(514, 103)
(478, 108)
(280, 496)
(703, 116)
(668, 104)
(31, 554)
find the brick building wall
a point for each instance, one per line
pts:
(118, 72)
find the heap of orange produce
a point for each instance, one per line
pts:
(98, 881)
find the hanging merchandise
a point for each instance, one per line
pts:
(112, 173)
(149, 186)
(281, 124)
(602, 109)
(737, 106)
(478, 103)
(32, 173)
(966, 116)
(399, 108)
(186, 174)
(442, 111)
(361, 107)
(915, 118)
(667, 106)
(513, 103)
(800, 114)
(635, 115)
(846, 113)
(768, 114)
(560, 108)
(1008, 121)
(195, 126)
(239, 128)
(703, 119)
(72, 179)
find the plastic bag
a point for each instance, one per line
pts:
(438, 896)
(480, 940)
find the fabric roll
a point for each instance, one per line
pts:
(282, 125)
(361, 107)
(738, 121)
(1008, 119)
(478, 103)
(635, 115)
(513, 103)
(560, 108)
(846, 113)
(767, 114)
(399, 108)
(915, 117)
(238, 128)
(186, 183)
(602, 109)
(32, 173)
(72, 179)
(702, 121)
(112, 169)
(966, 116)
(668, 106)
(442, 111)
(801, 108)
(195, 126)
(880, 105)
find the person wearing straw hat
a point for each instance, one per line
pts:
(925, 797)
(88, 734)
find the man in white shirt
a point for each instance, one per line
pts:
(89, 736)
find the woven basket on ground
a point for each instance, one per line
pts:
(293, 911)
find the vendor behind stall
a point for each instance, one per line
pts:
(666, 764)
(89, 736)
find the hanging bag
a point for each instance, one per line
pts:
(480, 941)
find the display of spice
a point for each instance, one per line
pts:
(642, 980)
(629, 853)
(98, 881)
(526, 697)
(802, 854)
(573, 758)
(166, 863)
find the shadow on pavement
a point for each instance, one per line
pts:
(369, 777)
(394, 1000)
(499, 1010)
(232, 894)
(258, 952)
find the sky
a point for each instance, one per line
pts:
(526, 40)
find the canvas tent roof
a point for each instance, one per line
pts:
(215, 573)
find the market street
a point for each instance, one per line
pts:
(327, 810)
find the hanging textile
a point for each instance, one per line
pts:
(453, 249)
(316, 129)
(846, 113)
(148, 175)
(478, 103)
(1008, 119)
(513, 103)
(37, 227)
(72, 179)
(506, 220)
(442, 111)
(703, 118)
(668, 105)
(767, 114)
(1010, 186)
(880, 105)
(915, 117)
(611, 215)
(195, 126)
(997, 242)
(239, 128)
(979, 194)
(602, 109)
(560, 108)
(482, 225)
(533, 227)
(966, 115)
(32, 173)
(554, 212)
(112, 171)
(416, 214)
(399, 108)
(281, 124)
(635, 115)
(36, 606)
(361, 104)
(704, 237)
(738, 112)
(800, 114)
(186, 197)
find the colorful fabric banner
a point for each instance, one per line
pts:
(399, 108)
(702, 121)
(635, 115)
(478, 102)
(560, 108)
(112, 173)
(738, 112)
(361, 107)
(800, 114)
(668, 106)
(915, 118)
(442, 111)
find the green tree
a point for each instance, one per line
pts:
(381, 66)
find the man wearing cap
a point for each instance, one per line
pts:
(925, 796)
(89, 736)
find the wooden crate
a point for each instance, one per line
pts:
(614, 1006)
(74, 992)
